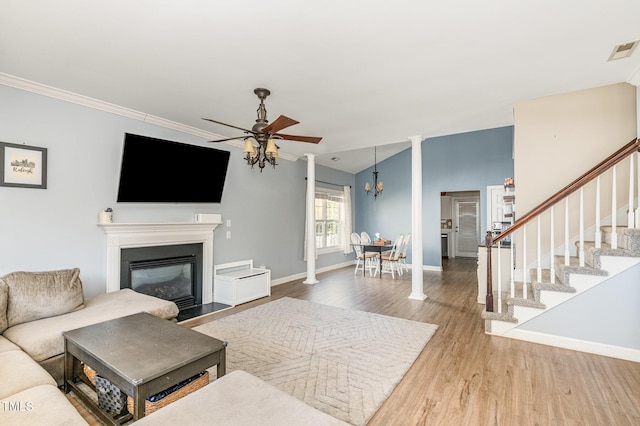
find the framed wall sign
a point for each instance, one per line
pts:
(23, 166)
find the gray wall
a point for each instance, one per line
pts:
(462, 162)
(56, 228)
(600, 314)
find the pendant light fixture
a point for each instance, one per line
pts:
(377, 186)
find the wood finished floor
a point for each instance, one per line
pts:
(463, 376)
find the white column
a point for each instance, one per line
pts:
(311, 220)
(417, 291)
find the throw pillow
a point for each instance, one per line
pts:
(4, 296)
(36, 295)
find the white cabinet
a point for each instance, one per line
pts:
(239, 282)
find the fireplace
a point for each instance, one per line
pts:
(122, 236)
(170, 272)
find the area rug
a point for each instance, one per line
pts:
(342, 362)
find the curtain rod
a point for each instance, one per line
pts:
(329, 183)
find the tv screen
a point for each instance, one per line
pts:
(160, 171)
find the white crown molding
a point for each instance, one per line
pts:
(634, 78)
(52, 92)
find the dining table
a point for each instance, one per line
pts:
(374, 248)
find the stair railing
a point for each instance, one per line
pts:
(595, 173)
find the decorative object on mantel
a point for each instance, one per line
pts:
(377, 186)
(265, 134)
(23, 166)
(106, 216)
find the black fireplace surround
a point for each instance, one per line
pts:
(170, 272)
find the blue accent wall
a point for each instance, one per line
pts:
(463, 162)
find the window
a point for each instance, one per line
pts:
(330, 211)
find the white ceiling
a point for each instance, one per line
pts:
(357, 73)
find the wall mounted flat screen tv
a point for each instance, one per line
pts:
(161, 171)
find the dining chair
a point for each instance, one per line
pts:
(363, 260)
(402, 258)
(374, 256)
(365, 238)
(389, 259)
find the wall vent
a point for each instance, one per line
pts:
(623, 50)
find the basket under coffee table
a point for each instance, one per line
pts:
(140, 354)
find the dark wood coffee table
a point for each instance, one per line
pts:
(141, 354)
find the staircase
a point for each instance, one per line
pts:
(572, 279)
(612, 250)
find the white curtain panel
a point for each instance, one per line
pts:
(347, 225)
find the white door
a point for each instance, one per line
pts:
(466, 227)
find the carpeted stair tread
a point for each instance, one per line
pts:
(503, 316)
(529, 303)
(563, 271)
(553, 287)
(628, 238)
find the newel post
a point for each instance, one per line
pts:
(488, 240)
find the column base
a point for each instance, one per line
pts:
(413, 296)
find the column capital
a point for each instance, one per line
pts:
(416, 138)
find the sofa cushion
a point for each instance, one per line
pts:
(6, 345)
(4, 298)
(238, 399)
(36, 295)
(20, 372)
(43, 405)
(43, 339)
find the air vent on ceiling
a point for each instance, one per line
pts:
(623, 50)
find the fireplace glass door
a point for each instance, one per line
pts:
(169, 279)
(168, 272)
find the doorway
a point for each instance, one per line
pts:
(466, 226)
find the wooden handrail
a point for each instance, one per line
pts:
(603, 166)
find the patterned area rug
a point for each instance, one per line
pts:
(343, 362)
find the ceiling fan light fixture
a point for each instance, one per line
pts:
(264, 133)
(271, 147)
(248, 147)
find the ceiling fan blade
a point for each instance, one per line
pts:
(229, 125)
(229, 139)
(309, 139)
(279, 124)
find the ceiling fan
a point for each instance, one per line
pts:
(265, 134)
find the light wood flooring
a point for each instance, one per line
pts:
(465, 377)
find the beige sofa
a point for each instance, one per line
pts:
(35, 308)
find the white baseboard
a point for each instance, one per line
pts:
(628, 354)
(304, 274)
(337, 266)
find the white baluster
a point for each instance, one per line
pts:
(630, 215)
(538, 253)
(552, 261)
(566, 232)
(614, 211)
(525, 271)
(581, 246)
(637, 205)
(512, 283)
(598, 236)
(499, 279)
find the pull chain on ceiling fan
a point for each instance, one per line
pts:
(265, 135)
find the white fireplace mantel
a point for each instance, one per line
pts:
(129, 235)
